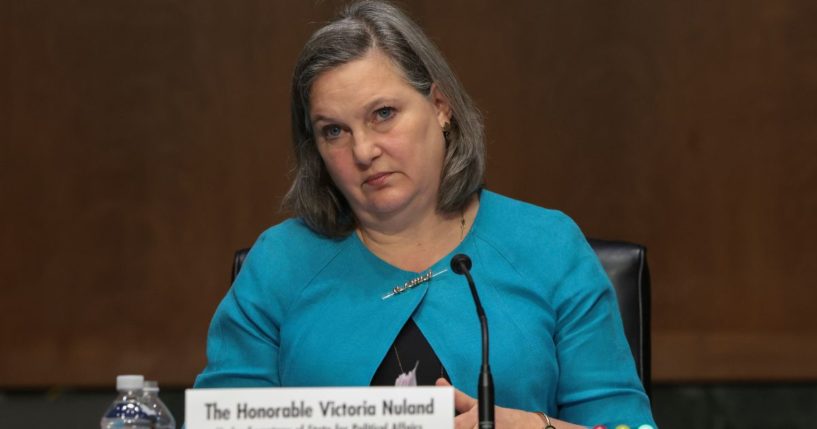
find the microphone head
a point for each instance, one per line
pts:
(460, 263)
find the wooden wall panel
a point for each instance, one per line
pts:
(141, 142)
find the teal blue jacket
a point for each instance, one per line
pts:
(307, 310)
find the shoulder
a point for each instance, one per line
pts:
(538, 243)
(512, 224)
(286, 257)
(542, 244)
(293, 238)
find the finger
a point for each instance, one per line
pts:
(466, 420)
(462, 402)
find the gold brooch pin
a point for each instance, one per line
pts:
(412, 283)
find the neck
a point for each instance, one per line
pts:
(416, 246)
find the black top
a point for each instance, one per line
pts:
(410, 348)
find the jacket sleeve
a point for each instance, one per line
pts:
(244, 336)
(598, 382)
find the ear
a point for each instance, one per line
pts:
(441, 105)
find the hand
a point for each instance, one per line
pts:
(506, 418)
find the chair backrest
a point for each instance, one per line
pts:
(626, 266)
(238, 261)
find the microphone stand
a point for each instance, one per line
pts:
(461, 264)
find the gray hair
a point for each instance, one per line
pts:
(362, 26)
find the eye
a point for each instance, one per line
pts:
(384, 113)
(331, 131)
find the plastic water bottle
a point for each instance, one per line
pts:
(150, 397)
(127, 411)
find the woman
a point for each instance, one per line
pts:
(355, 289)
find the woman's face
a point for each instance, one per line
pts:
(380, 139)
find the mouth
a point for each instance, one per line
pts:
(377, 179)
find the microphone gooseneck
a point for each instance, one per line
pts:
(461, 264)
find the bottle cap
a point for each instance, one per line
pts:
(129, 382)
(150, 386)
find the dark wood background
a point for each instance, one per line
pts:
(142, 141)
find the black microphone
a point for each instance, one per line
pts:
(461, 264)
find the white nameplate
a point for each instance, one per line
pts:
(424, 407)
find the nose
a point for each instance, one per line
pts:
(366, 148)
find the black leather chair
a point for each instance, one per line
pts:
(626, 265)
